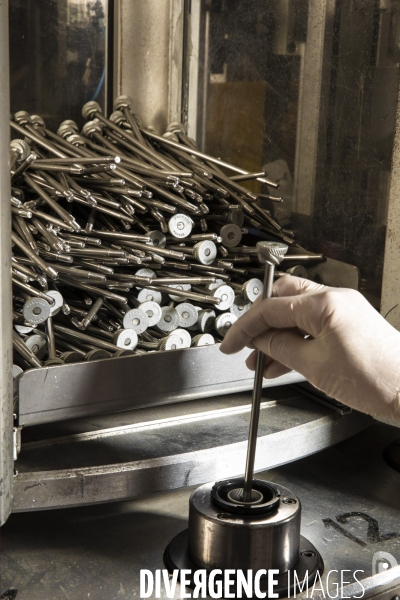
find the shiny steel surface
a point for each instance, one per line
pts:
(270, 253)
(98, 551)
(129, 454)
(236, 542)
(82, 389)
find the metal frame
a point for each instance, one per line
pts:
(314, 79)
(390, 303)
(148, 54)
(6, 388)
(91, 388)
(184, 445)
(97, 550)
(138, 26)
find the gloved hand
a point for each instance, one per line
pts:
(351, 353)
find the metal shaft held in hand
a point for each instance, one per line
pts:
(272, 254)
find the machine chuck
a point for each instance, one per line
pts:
(226, 533)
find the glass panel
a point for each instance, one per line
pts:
(307, 90)
(57, 57)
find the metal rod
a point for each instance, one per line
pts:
(28, 355)
(256, 398)
(78, 335)
(34, 257)
(211, 159)
(185, 294)
(44, 162)
(40, 141)
(94, 309)
(33, 291)
(248, 176)
(51, 342)
(303, 257)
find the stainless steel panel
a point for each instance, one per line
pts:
(98, 551)
(148, 58)
(69, 391)
(128, 455)
(269, 541)
(6, 387)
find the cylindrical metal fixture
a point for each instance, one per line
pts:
(224, 540)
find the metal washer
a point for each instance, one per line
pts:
(205, 252)
(71, 356)
(231, 235)
(188, 314)
(36, 311)
(169, 320)
(240, 306)
(153, 312)
(58, 302)
(146, 295)
(206, 320)
(24, 329)
(37, 344)
(126, 339)
(157, 239)
(203, 339)
(171, 342)
(184, 336)
(252, 289)
(96, 354)
(298, 271)
(136, 319)
(235, 217)
(224, 322)
(145, 273)
(226, 295)
(180, 225)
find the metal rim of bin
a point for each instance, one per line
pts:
(38, 490)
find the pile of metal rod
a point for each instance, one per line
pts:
(127, 242)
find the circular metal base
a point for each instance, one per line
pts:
(129, 454)
(176, 556)
(391, 455)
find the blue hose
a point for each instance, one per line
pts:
(101, 82)
(103, 75)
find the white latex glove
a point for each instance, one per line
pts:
(352, 353)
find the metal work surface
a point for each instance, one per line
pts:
(97, 551)
(81, 389)
(134, 453)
